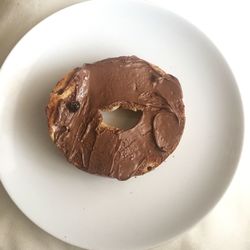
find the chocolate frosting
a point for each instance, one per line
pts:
(122, 82)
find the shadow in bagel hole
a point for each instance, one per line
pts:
(121, 118)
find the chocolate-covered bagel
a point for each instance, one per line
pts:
(77, 128)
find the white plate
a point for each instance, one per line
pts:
(101, 213)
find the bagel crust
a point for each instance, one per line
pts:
(76, 125)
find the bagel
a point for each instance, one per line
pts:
(77, 128)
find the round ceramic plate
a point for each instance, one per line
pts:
(102, 213)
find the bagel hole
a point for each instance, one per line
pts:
(121, 118)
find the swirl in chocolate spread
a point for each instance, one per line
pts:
(128, 83)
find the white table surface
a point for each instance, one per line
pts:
(227, 23)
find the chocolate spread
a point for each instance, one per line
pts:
(122, 82)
